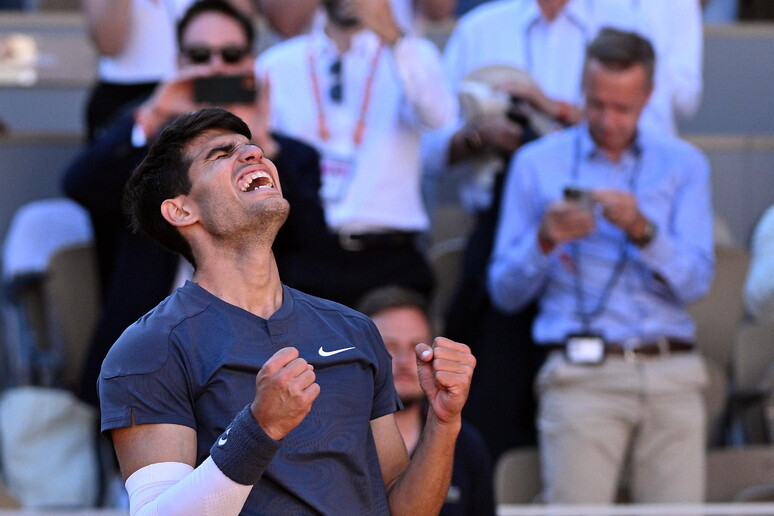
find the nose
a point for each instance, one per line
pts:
(405, 356)
(251, 152)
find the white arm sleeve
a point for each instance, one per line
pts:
(177, 489)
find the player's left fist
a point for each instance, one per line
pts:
(445, 372)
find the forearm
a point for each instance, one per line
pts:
(422, 487)
(109, 23)
(515, 277)
(464, 144)
(423, 82)
(95, 178)
(220, 485)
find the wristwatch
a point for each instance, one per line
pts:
(648, 234)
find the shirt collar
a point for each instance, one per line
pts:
(589, 149)
(364, 44)
(575, 10)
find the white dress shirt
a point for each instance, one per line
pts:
(149, 53)
(408, 95)
(674, 27)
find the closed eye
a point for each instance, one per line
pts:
(222, 151)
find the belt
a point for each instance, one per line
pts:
(371, 241)
(638, 347)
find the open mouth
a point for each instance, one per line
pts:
(255, 181)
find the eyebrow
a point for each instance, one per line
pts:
(226, 147)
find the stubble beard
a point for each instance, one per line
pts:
(257, 227)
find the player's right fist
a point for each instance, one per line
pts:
(285, 389)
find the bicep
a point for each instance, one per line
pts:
(138, 446)
(390, 448)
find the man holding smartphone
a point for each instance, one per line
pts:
(613, 260)
(215, 42)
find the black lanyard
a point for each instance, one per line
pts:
(623, 249)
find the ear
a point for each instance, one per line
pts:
(178, 211)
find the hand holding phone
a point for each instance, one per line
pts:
(582, 196)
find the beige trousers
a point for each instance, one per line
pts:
(645, 414)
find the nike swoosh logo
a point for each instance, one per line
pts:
(324, 353)
(223, 439)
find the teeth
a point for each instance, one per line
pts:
(248, 179)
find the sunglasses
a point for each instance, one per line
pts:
(337, 88)
(200, 54)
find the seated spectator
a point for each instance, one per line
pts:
(214, 39)
(759, 285)
(401, 317)
(610, 228)
(135, 45)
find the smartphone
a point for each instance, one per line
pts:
(579, 195)
(225, 89)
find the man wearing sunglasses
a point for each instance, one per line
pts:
(215, 40)
(362, 93)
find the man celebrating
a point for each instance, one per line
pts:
(214, 41)
(611, 228)
(240, 394)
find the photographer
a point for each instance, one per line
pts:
(215, 42)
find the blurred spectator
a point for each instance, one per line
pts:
(759, 285)
(135, 42)
(674, 28)
(401, 317)
(293, 17)
(610, 226)
(140, 273)
(361, 92)
(545, 40)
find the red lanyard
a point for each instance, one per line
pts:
(322, 122)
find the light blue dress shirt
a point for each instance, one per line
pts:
(669, 178)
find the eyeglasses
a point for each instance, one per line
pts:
(200, 54)
(337, 88)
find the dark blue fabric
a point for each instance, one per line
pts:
(471, 492)
(192, 361)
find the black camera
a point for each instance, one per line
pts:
(516, 113)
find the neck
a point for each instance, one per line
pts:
(341, 36)
(551, 8)
(409, 421)
(250, 282)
